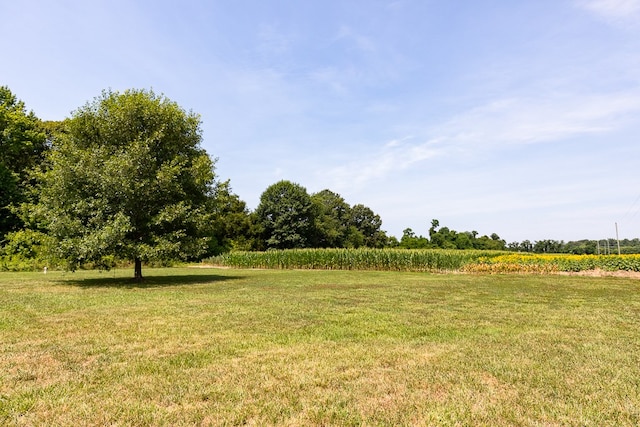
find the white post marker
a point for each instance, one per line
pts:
(45, 270)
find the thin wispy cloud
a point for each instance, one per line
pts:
(506, 122)
(272, 42)
(353, 39)
(617, 11)
(393, 156)
(498, 125)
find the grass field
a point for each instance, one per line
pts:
(195, 346)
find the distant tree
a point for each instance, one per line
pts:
(548, 246)
(526, 246)
(444, 238)
(231, 222)
(513, 246)
(464, 240)
(627, 246)
(332, 216)
(22, 146)
(286, 216)
(368, 224)
(434, 227)
(409, 240)
(408, 234)
(487, 243)
(498, 243)
(128, 178)
(392, 242)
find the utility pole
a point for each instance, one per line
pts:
(617, 238)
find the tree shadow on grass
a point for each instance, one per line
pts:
(148, 281)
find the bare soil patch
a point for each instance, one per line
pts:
(602, 273)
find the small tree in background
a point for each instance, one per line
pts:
(231, 226)
(128, 178)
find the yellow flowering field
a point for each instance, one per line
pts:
(550, 263)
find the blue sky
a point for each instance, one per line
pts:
(519, 118)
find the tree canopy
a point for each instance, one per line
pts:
(286, 216)
(22, 144)
(128, 177)
(445, 238)
(333, 216)
(368, 224)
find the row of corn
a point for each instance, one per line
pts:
(352, 259)
(425, 260)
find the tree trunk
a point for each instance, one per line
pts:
(138, 269)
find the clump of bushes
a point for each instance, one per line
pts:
(26, 250)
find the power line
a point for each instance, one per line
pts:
(632, 206)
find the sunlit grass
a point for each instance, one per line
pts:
(228, 347)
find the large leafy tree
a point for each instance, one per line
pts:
(128, 178)
(286, 216)
(368, 223)
(333, 215)
(22, 144)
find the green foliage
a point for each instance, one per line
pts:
(127, 177)
(286, 216)
(368, 223)
(9, 194)
(231, 222)
(445, 238)
(332, 216)
(25, 250)
(579, 247)
(409, 240)
(22, 144)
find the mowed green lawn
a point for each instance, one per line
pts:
(196, 346)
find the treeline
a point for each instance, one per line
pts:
(110, 172)
(445, 238)
(125, 177)
(579, 247)
(288, 217)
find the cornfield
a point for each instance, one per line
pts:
(431, 260)
(354, 259)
